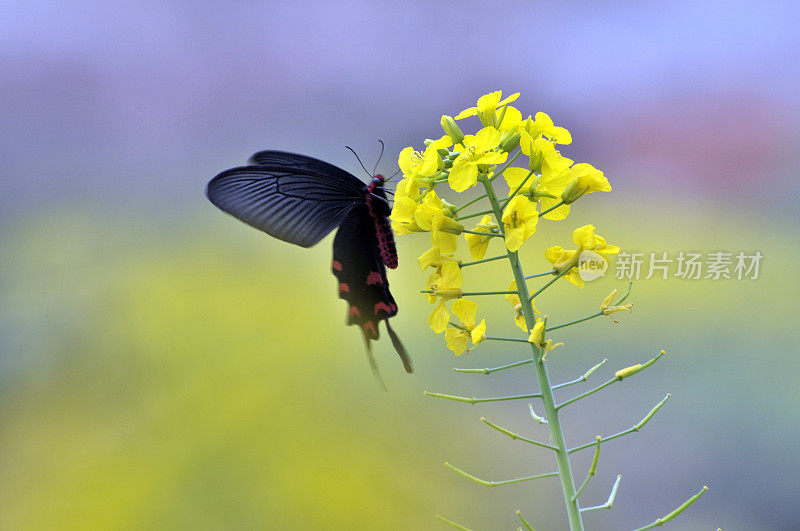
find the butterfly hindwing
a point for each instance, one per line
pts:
(359, 268)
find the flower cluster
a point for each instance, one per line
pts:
(544, 187)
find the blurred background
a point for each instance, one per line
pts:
(164, 366)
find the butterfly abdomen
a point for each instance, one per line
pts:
(383, 231)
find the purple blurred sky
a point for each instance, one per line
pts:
(134, 103)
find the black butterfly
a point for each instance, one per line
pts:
(299, 200)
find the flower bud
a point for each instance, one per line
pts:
(510, 143)
(451, 128)
(535, 162)
(607, 301)
(628, 371)
(448, 293)
(573, 191)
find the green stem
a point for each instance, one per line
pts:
(505, 201)
(483, 261)
(475, 215)
(638, 426)
(551, 272)
(474, 400)
(576, 321)
(543, 212)
(504, 168)
(516, 436)
(528, 526)
(540, 290)
(664, 519)
(491, 234)
(489, 370)
(582, 378)
(592, 469)
(610, 502)
(468, 203)
(497, 483)
(548, 400)
(451, 523)
(474, 293)
(514, 339)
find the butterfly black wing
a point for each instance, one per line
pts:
(358, 266)
(294, 198)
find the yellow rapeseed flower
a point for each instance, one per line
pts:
(586, 239)
(519, 219)
(487, 106)
(477, 243)
(477, 150)
(585, 180)
(458, 339)
(514, 301)
(433, 257)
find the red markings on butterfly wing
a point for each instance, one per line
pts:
(369, 329)
(382, 306)
(354, 312)
(374, 278)
(344, 288)
(337, 265)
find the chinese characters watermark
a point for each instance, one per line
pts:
(689, 265)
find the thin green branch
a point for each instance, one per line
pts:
(664, 519)
(610, 502)
(473, 293)
(592, 316)
(551, 272)
(543, 212)
(625, 295)
(470, 202)
(528, 526)
(451, 523)
(475, 215)
(504, 168)
(576, 321)
(489, 234)
(516, 436)
(474, 400)
(515, 339)
(505, 201)
(592, 469)
(490, 370)
(582, 378)
(636, 427)
(590, 392)
(483, 261)
(538, 291)
(618, 377)
(534, 416)
(497, 483)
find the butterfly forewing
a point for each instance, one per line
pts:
(295, 204)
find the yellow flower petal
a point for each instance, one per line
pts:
(439, 318)
(584, 237)
(479, 333)
(465, 310)
(457, 340)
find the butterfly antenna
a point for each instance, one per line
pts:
(392, 176)
(379, 157)
(371, 175)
